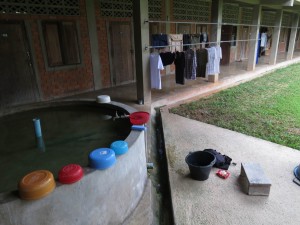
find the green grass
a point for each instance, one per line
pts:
(267, 107)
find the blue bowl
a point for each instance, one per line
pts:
(102, 158)
(119, 147)
(297, 172)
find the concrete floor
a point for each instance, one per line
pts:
(217, 201)
(214, 201)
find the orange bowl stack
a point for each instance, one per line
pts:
(36, 185)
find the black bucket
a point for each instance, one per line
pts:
(200, 164)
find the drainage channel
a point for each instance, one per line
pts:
(161, 203)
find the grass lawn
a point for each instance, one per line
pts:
(267, 107)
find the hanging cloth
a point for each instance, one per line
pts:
(155, 67)
(202, 59)
(175, 41)
(167, 58)
(195, 40)
(263, 40)
(190, 64)
(210, 66)
(218, 59)
(160, 40)
(186, 41)
(179, 67)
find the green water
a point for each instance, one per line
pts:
(69, 133)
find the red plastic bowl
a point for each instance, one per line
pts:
(70, 174)
(139, 118)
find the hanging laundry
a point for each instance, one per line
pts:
(204, 39)
(179, 67)
(186, 41)
(160, 40)
(214, 57)
(155, 67)
(175, 42)
(218, 59)
(263, 40)
(167, 58)
(190, 64)
(195, 40)
(202, 59)
(210, 66)
(263, 43)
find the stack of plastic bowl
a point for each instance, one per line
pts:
(103, 99)
(102, 158)
(70, 174)
(36, 185)
(119, 147)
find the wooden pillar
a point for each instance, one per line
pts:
(141, 40)
(253, 44)
(275, 37)
(293, 35)
(168, 25)
(216, 28)
(92, 29)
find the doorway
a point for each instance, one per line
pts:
(226, 38)
(121, 53)
(18, 83)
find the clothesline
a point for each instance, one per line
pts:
(205, 23)
(212, 42)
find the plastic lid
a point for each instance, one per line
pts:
(36, 185)
(119, 147)
(102, 158)
(103, 99)
(70, 174)
(139, 118)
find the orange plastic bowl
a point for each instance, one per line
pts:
(36, 185)
(70, 174)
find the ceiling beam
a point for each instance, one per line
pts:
(251, 2)
(277, 2)
(294, 9)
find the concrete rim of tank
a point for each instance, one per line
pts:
(13, 195)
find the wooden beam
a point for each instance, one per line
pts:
(277, 2)
(250, 2)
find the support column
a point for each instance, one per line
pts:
(292, 41)
(275, 37)
(168, 29)
(141, 39)
(92, 28)
(216, 29)
(253, 45)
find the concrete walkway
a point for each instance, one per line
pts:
(214, 201)
(217, 201)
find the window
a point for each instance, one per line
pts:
(61, 43)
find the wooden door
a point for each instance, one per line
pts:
(226, 36)
(17, 81)
(243, 44)
(122, 53)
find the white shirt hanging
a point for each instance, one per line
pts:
(263, 40)
(155, 66)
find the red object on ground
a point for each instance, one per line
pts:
(223, 174)
(70, 174)
(139, 118)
